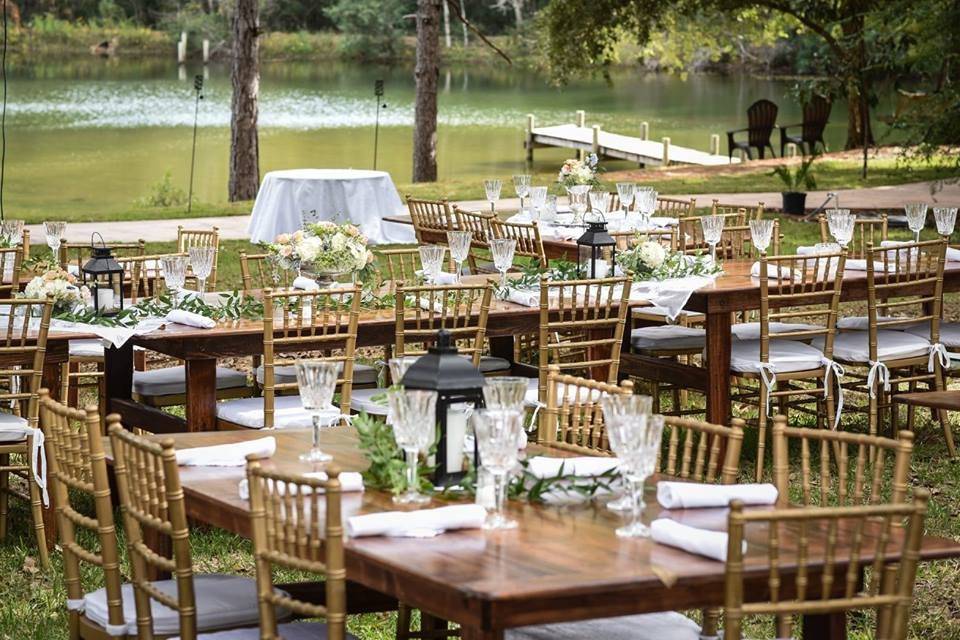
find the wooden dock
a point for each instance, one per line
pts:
(641, 150)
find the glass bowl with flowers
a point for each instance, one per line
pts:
(67, 295)
(324, 251)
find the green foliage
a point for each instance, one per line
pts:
(370, 27)
(387, 470)
(799, 178)
(164, 194)
(198, 24)
(530, 276)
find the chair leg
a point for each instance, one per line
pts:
(64, 381)
(4, 496)
(403, 622)
(944, 420)
(761, 430)
(36, 509)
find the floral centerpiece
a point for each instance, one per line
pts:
(650, 260)
(575, 172)
(324, 251)
(67, 296)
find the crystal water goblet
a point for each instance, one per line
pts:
(12, 231)
(712, 232)
(521, 185)
(916, 217)
(317, 380)
(54, 231)
(626, 191)
(502, 250)
(492, 190)
(645, 203)
(600, 202)
(841, 224)
(398, 367)
(459, 242)
(505, 392)
(431, 259)
(946, 219)
(174, 269)
(578, 201)
(413, 412)
(201, 261)
(538, 196)
(617, 407)
(761, 233)
(497, 432)
(548, 212)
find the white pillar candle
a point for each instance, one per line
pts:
(105, 300)
(456, 433)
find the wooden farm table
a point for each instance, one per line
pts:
(560, 564)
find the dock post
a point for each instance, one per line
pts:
(581, 122)
(644, 131)
(791, 150)
(596, 140)
(206, 51)
(715, 144)
(531, 123)
(181, 52)
(666, 151)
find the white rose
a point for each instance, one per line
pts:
(310, 248)
(652, 254)
(338, 242)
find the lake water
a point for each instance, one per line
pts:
(95, 134)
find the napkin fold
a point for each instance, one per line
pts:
(581, 467)
(710, 544)
(772, 271)
(350, 482)
(304, 283)
(525, 297)
(191, 319)
(227, 455)
(424, 523)
(692, 495)
(952, 254)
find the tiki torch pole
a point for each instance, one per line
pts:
(378, 92)
(198, 87)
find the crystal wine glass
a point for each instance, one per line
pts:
(615, 408)
(761, 233)
(712, 232)
(548, 212)
(841, 224)
(317, 380)
(600, 201)
(431, 259)
(497, 432)
(578, 201)
(626, 191)
(414, 428)
(54, 231)
(502, 250)
(459, 242)
(492, 190)
(538, 196)
(521, 184)
(201, 261)
(174, 270)
(916, 217)
(399, 366)
(12, 230)
(946, 219)
(505, 392)
(645, 199)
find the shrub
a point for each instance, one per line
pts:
(164, 194)
(370, 27)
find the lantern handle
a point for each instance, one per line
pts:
(102, 241)
(596, 212)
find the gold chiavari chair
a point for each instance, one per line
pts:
(480, 225)
(572, 418)
(667, 238)
(527, 235)
(187, 238)
(842, 584)
(78, 475)
(431, 220)
(401, 265)
(322, 321)
(151, 500)
(910, 287)
(297, 525)
(736, 236)
(675, 208)
(19, 388)
(867, 232)
(73, 255)
(11, 260)
(736, 243)
(259, 271)
(145, 275)
(742, 212)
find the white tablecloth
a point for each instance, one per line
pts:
(288, 199)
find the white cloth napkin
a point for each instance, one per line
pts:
(582, 467)
(350, 482)
(772, 270)
(227, 455)
(424, 523)
(671, 295)
(952, 254)
(691, 495)
(304, 283)
(711, 544)
(445, 278)
(115, 336)
(191, 319)
(525, 297)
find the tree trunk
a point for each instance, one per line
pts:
(859, 131)
(857, 106)
(245, 75)
(463, 13)
(446, 25)
(518, 12)
(426, 76)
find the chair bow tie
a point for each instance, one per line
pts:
(769, 377)
(837, 370)
(938, 351)
(879, 373)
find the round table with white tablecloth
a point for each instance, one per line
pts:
(289, 199)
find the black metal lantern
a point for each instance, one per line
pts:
(103, 275)
(597, 251)
(459, 387)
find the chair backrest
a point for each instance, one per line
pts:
(431, 219)
(78, 253)
(25, 244)
(324, 320)
(478, 223)
(803, 289)
(401, 265)
(11, 260)
(746, 214)
(297, 528)
(667, 238)
(839, 468)
(23, 343)
(461, 309)
(585, 316)
(817, 557)
(145, 275)
(816, 114)
(866, 232)
(151, 499)
(187, 238)
(78, 475)
(573, 418)
(736, 243)
(674, 208)
(260, 271)
(692, 450)
(527, 235)
(690, 233)
(761, 119)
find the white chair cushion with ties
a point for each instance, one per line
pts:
(489, 364)
(751, 330)
(222, 602)
(287, 374)
(532, 397)
(861, 323)
(949, 333)
(85, 348)
(362, 400)
(668, 337)
(13, 428)
(668, 625)
(289, 631)
(288, 413)
(171, 381)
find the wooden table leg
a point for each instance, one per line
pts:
(118, 374)
(831, 626)
(202, 394)
(718, 368)
(51, 378)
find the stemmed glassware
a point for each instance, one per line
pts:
(645, 199)
(600, 201)
(317, 380)
(761, 232)
(502, 250)
(841, 224)
(201, 261)
(946, 219)
(174, 273)
(12, 231)
(413, 412)
(398, 367)
(497, 432)
(578, 201)
(712, 232)
(492, 190)
(538, 196)
(626, 190)
(548, 212)
(521, 184)
(505, 392)
(54, 231)
(916, 217)
(625, 405)
(431, 259)
(459, 242)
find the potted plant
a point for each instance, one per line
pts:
(797, 183)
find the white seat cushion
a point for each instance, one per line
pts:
(859, 323)
(854, 346)
(86, 348)
(489, 364)
(13, 428)
(949, 333)
(171, 381)
(290, 631)
(668, 625)
(784, 356)
(362, 400)
(751, 330)
(287, 374)
(222, 601)
(288, 413)
(668, 337)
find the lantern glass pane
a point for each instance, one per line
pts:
(457, 415)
